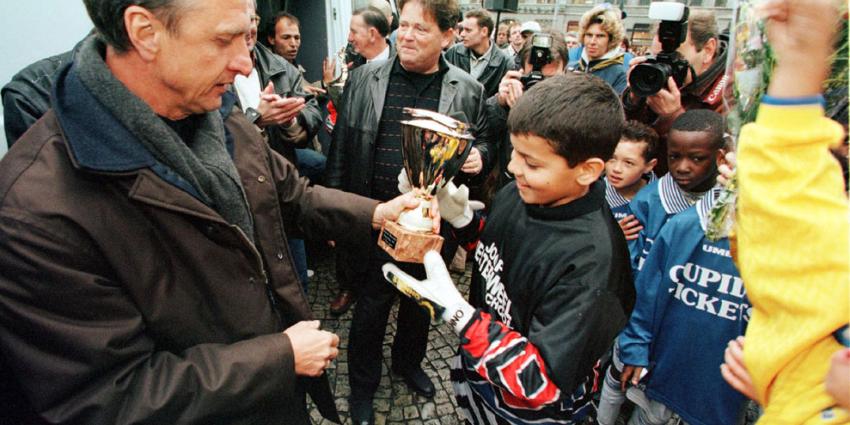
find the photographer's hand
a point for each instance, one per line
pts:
(667, 103)
(510, 89)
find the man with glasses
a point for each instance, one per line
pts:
(272, 97)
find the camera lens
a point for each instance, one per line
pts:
(648, 78)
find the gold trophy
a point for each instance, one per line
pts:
(434, 147)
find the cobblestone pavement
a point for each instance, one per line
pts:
(394, 402)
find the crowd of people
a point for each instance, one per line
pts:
(164, 174)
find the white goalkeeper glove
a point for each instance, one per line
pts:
(437, 293)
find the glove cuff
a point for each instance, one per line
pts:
(462, 220)
(458, 316)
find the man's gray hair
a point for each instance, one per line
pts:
(108, 17)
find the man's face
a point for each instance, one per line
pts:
(420, 41)
(516, 38)
(555, 67)
(595, 41)
(542, 176)
(473, 35)
(197, 62)
(286, 39)
(698, 59)
(251, 37)
(572, 42)
(692, 160)
(502, 36)
(358, 34)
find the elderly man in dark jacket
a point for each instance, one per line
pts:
(144, 275)
(365, 158)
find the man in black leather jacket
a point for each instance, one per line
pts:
(27, 96)
(365, 158)
(279, 110)
(477, 54)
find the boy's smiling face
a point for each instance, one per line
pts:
(543, 177)
(693, 159)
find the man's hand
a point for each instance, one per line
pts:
(666, 103)
(734, 371)
(473, 163)
(631, 374)
(314, 90)
(312, 348)
(630, 226)
(276, 110)
(437, 293)
(328, 71)
(801, 34)
(391, 209)
(510, 89)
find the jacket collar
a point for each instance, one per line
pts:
(672, 197)
(592, 201)
(381, 78)
(97, 141)
(268, 64)
(705, 204)
(613, 197)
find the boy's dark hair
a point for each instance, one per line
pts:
(704, 120)
(374, 18)
(445, 12)
(483, 18)
(282, 15)
(578, 114)
(637, 131)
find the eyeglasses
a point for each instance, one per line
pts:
(255, 19)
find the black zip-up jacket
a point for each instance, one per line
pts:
(497, 66)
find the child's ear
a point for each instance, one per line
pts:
(721, 157)
(589, 171)
(650, 165)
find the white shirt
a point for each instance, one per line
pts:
(381, 56)
(248, 89)
(478, 65)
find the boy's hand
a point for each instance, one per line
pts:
(734, 371)
(802, 34)
(838, 377)
(437, 293)
(727, 169)
(631, 227)
(455, 206)
(631, 374)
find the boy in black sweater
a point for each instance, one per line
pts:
(551, 286)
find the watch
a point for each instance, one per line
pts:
(253, 115)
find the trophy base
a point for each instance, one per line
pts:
(405, 245)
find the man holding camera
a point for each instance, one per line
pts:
(701, 88)
(544, 57)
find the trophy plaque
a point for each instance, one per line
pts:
(434, 147)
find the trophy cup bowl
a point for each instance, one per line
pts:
(433, 148)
